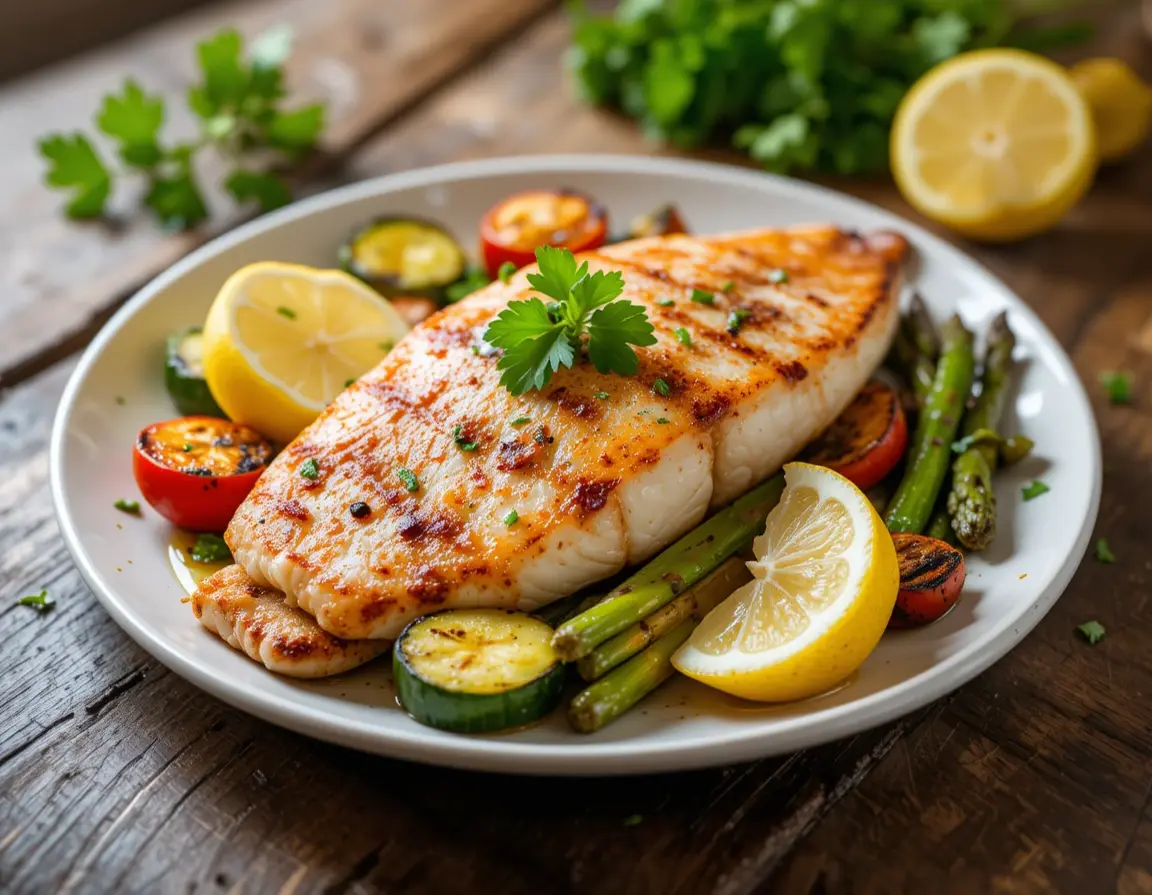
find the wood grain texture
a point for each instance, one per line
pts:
(370, 61)
(116, 776)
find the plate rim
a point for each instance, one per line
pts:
(575, 759)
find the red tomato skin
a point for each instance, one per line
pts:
(936, 586)
(494, 253)
(195, 502)
(870, 470)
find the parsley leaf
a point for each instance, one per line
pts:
(538, 339)
(177, 200)
(41, 602)
(211, 548)
(131, 507)
(310, 469)
(661, 388)
(1104, 552)
(511, 518)
(612, 330)
(297, 130)
(408, 477)
(1034, 490)
(265, 188)
(133, 119)
(1118, 386)
(75, 165)
(1092, 631)
(683, 336)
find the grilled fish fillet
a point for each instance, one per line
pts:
(606, 471)
(258, 622)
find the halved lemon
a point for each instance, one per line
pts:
(996, 144)
(1121, 104)
(825, 583)
(282, 340)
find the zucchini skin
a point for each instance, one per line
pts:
(187, 389)
(459, 711)
(388, 284)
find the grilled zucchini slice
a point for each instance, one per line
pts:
(477, 670)
(404, 256)
(184, 375)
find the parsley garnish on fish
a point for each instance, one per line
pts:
(461, 441)
(585, 314)
(520, 421)
(735, 318)
(778, 276)
(310, 469)
(703, 297)
(504, 274)
(511, 518)
(683, 336)
(661, 388)
(41, 602)
(408, 477)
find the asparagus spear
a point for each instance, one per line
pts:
(695, 603)
(940, 526)
(932, 442)
(920, 333)
(624, 686)
(670, 573)
(971, 502)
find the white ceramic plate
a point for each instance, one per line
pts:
(683, 724)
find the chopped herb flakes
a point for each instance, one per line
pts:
(211, 548)
(187, 448)
(41, 602)
(737, 317)
(633, 820)
(1034, 490)
(703, 297)
(386, 346)
(1118, 386)
(310, 469)
(1092, 631)
(1104, 552)
(511, 518)
(520, 421)
(504, 274)
(461, 442)
(665, 302)
(476, 350)
(661, 388)
(120, 400)
(408, 477)
(778, 276)
(663, 421)
(349, 382)
(286, 312)
(132, 507)
(683, 336)
(603, 396)
(727, 287)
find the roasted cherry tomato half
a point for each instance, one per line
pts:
(195, 471)
(867, 440)
(513, 229)
(931, 578)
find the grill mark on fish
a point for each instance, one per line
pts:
(583, 407)
(590, 496)
(293, 509)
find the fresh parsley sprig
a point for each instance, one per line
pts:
(584, 316)
(238, 108)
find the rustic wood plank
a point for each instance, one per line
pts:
(370, 61)
(116, 775)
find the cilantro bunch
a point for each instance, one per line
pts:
(237, 105)
(806, 85)
(538, 339)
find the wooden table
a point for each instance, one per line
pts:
(118, 776)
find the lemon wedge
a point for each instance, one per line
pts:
(996, 144)
(282, 340)
(825, 583)
(1121, 105)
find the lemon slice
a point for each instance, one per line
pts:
(825, 583)
(282, 340)
(1121, 105)
(996, 144)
